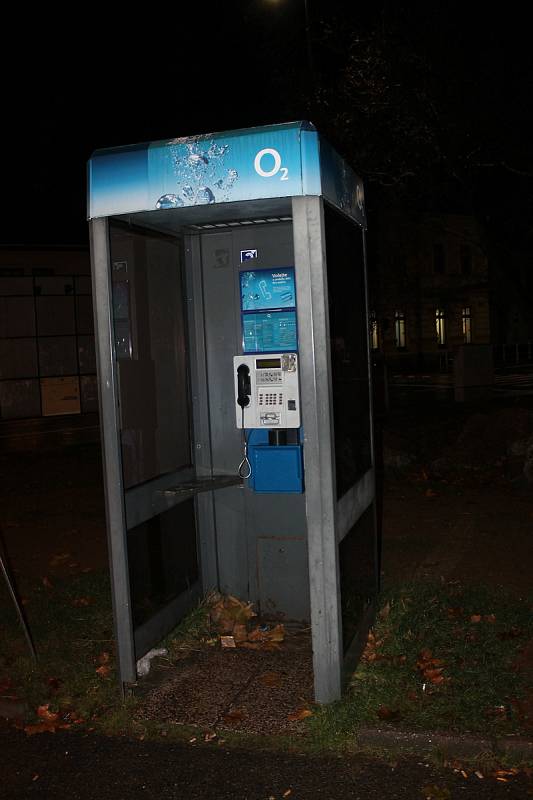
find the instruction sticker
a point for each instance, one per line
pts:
(268, 289)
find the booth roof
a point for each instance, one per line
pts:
(272, 161)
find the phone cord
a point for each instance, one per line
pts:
(245, 468)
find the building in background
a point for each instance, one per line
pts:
(429, 290)
(47, 357)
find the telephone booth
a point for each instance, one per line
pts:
(232, 347)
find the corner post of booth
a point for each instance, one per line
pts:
(317, 413)
(110, 440)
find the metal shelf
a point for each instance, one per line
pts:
(198, 485)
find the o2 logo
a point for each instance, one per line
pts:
(259, 164)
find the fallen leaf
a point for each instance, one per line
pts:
(82, 602)
(36, 777)
(430, 493)
(240, 633)
(39, 727)
(386, 713)
(490, 617)
(454, 613)
(209, 736)
(58, 559)
(104, 658)
(287, 793)
(45, 714)
(385, 611)
(475, 618)
(227, 641)
(234, 717)
(103, 671)
(299, 714)
(271, 679)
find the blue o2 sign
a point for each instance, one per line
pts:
(277, 168)
(202, 170)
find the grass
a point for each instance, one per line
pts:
(476, 635)
(71, 623)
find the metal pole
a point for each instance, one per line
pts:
(18, 605)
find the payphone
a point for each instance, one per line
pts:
(266, 380)
(267, 391)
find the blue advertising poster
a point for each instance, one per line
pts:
(269, 332)
(268, 289)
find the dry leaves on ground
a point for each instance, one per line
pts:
(431, 668)
(231, 617)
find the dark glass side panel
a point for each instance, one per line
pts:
(358, 574)
(150, 347)
(349, 353)
(162, 560)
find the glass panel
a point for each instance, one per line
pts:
(19, 399)
(358, 574)
(162, 560)
(62, 284)
(18, 358)
(153, 380)
(55, 316)
(17, 316)
(440, 325)
(399, 329)
(16, 285)
(58, 356)
(467, 325)
(349, 348)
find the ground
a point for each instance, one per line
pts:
(457, 508)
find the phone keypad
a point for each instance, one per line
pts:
(270, 398)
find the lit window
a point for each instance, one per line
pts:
(440, 325)
(467, 325)
(399, 328)
(374, 332)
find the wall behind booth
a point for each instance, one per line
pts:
(47, 356)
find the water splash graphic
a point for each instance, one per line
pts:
(169, 201)
(201, 174)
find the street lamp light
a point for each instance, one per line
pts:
(308, 45)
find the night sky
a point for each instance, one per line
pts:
(431, 106)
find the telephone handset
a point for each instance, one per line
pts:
(267, 392)
(244, 386)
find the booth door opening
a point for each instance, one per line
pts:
(154, 419)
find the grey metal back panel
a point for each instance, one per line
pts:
(241, 516)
